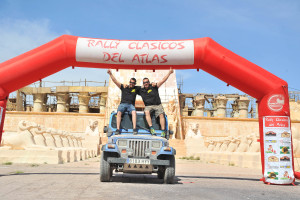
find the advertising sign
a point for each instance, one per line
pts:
(173, 52)
(277, 150)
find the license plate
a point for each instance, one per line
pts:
(138, 161)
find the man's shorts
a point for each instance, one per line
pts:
(158, 109)
(123, 107)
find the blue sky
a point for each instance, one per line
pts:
(266, 32)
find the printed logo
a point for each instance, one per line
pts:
(276, 102)
(282, 142)
(133, 90)
(270, 133)
(285, 135)
(284, 150)
(285, 166)
(272, 167)
(273, 159)
(286, 176)
(270, 149)
(271, 141)
(273, 175)
(149, 91)
(285, 158)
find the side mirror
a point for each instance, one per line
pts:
(168, 134)
(105, 129)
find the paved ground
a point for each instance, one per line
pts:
(195, 180)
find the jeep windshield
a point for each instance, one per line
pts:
(141, 123)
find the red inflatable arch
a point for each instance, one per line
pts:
(270, 91)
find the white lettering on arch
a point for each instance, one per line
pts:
(175, 52)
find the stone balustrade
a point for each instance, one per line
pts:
(41, 144)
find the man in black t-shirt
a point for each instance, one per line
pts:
(152, 102)
(128, 95)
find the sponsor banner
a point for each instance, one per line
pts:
(171, 52)
(277, 150)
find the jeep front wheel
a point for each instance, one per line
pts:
(161, 173)
(170, 172)
(105, 170)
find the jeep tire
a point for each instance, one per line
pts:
(161, 173)
(105, 169)
(170, 171)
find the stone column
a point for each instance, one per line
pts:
(221, 102)
(28, 108)
(102, 104)
(214, 108)
(235, 110)
(185, 111)
(38, 102)
(68, 103)
(209, 113)
(182, 103)
(62, 101)
(84, 99)
(20, 105)
(243, 103)
(256, 111)
(198, 102)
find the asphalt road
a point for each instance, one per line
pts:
(80, 180)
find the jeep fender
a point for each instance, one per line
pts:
(111, 150)
(163, 152)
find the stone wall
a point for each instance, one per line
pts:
(71, 122)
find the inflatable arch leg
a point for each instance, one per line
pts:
(3, 101)
(276, 138)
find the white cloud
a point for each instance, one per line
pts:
(20, 36)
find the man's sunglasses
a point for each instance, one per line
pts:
(145, 82)
(132, 82)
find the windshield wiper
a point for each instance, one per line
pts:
(147, 129)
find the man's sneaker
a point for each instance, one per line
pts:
(135, 131)
(163, 134)
(152, 131)
(117, 132)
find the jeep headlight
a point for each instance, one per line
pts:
(156, 144)
(122, 143)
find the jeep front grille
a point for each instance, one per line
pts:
(139, 147)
